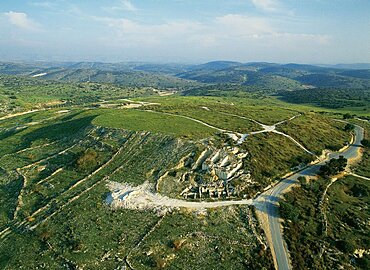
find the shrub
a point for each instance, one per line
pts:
(87, 160)
(347, 116)
(366, 143)
(349, 127)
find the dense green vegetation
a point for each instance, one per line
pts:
(312, 243)
(308, 242)
(335, 81)
(330, 98)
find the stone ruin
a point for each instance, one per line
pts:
(212, 173)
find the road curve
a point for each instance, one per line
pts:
(268, 201)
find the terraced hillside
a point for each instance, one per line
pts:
(53, 186)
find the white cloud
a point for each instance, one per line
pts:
(248, 37)
(21, 21)
(234, 28)
(43, 4)
(125, 5)
(241, 26)
(133, 33)
(267, 5)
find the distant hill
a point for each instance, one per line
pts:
(334, 81)
(16, 68)
(216, 65)
(329, 98)
(361, 73)
(124, 74)
(351, 66)
(124, 78)
(170, 69)
(267, 77)
(276, 77)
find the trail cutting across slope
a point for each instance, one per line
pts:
(19, 114)
(269, 128)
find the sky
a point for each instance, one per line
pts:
(186, 31)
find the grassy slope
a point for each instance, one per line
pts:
(317, 132)
(272, 156)
(265, 110)
(205, 245)
(150, 121)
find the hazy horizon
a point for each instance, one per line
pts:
(162, 31)
(25, 61)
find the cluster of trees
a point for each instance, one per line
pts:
(333, 167)
(329, 98)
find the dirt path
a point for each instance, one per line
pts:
(156, 225)
(19, 114)
(295, 141)
(34, 147)
(49, 177)
(73, 187)
(242, 137)
(272, 128)
(233, 135)
(360, 176)
(8, 230)
(20, 195)
(321, 205)
(80, 182)
(50, 157)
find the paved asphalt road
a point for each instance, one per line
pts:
(267, 202)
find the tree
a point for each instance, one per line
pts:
(349, 127)
(302, 180)
(347, 116)
(366, 143)
(333, 167)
